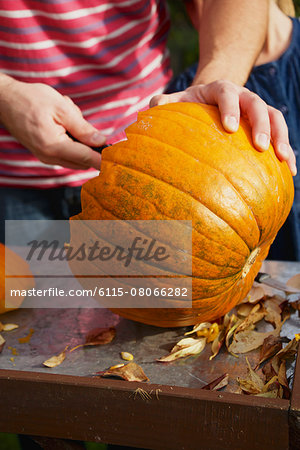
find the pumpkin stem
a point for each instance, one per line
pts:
(251, 260)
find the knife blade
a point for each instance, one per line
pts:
(265, 278)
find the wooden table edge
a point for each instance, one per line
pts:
(163, 418)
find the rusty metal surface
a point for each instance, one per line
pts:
(56, 328)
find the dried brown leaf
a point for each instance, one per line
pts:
(2, 343)
(185, 347)
(271, 345)
(269, 371)
(248, 340)
(256, 314)
(9, 326)
(273, 312)
(289, 351)
(244, 310)
(218, 383)
(253, 384)
(198, 327)
(294, 281)
(56, 360)
(100, 336)
(128, 372)
(282, 379)
(232, 326)
(219, 340)
(255, 295)
(282, 375)
(217, 344)
(269, 394)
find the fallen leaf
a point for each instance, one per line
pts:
(253, 384)
(269, 371)
(128, 372)
(232, 326)
(271, 345)
(255, 294)
(248, 340)
(244, 309)
(273, 386)
(116, 366)
(295, 305)
(198, 327)
(207, 330)
(294, 281)
(282, 374)
(126, 356)
(273, 312)
(269, 394)
(100, 336)
(2, 343)
(56, 360)
(185, 347)
(289, 351)
(256, 314)
(218, 383)
(219, 340)
(97, 336)
(9, 326)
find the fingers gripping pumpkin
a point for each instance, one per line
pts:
(178, 163)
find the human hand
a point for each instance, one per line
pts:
(267, 123)
(38, 117)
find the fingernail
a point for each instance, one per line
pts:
(97, 138)
(231, 123)
(263, 141)
(284, 150)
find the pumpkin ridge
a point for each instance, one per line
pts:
(194, 231)
(171, 218)
(226, 135)
(227, 141)
(182, 191)
(205, 163)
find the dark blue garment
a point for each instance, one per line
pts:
(37, 204)
(278, 84)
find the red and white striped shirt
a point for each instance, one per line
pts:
(110, 57)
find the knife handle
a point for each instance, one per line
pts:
(96, 149)
(261, 276)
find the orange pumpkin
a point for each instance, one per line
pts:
(179, 163)
(9, 260)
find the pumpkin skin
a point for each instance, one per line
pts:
(179, 163)
(15, 261)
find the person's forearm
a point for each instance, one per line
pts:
(231, 36)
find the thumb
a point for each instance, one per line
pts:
(81, 129)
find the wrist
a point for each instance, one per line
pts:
(213, 72)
